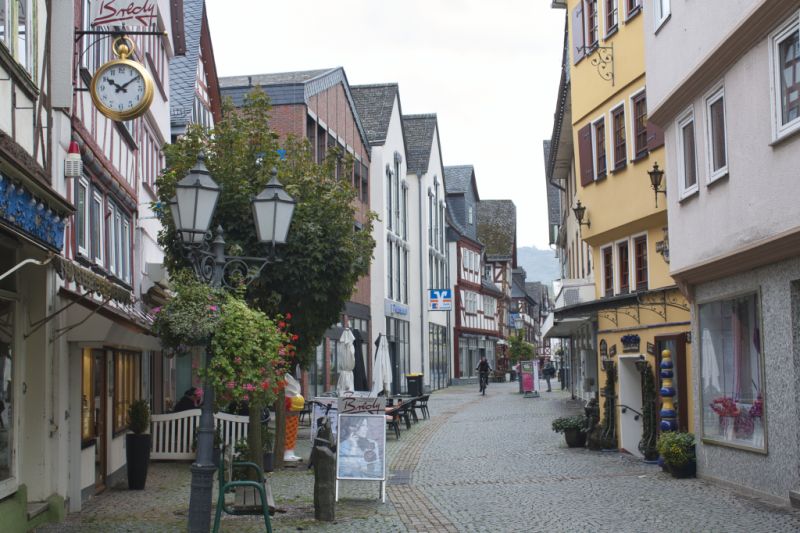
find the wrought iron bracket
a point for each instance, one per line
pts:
(602, 58)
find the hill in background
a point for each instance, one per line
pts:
(539, 265)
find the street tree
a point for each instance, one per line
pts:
(326, 253)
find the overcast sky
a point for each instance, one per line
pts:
(489, 70)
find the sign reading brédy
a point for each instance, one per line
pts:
(127, 12)
(361, 405)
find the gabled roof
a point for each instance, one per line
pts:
(183, 68)
(419, 131)
(534, 290)
(286, 88)
(375, 104)
(497, 228)
(459, 179)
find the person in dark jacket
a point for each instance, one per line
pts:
(549, 373)
(191, 399)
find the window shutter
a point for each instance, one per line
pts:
(655, 136)
(577, 33)
(585, 155)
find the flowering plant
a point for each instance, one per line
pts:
(630, 339)
(757, 409)
(190, 317)
(676, 448)
(724, 406)
(250, 354)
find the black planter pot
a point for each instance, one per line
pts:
(267, 462)
(575, 438)
(137, 453)
(684, 471)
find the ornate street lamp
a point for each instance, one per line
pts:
(192, 211)
(580, 211)
(656, 175)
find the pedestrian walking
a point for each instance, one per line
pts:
(549, 373)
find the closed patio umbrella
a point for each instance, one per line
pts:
(347, 360)
(382, 369)
(360, 381)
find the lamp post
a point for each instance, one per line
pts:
(192, 210)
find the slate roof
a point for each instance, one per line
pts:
(553, 195)
(459, 179)
(375, 104)
(497, 228)
(285, 88)
(183, 69)
(419, 141)
(488, 286)
(534, 290)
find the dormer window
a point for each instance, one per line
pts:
(469, 215)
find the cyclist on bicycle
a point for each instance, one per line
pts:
(483, 369)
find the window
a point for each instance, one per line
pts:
(364, 183)
(469, 215)
(389, 198)
(633, 7)
(591, 23)
(661, 12)
(624, 267)
(732, 371)
(599, 149)
(611, 16)
(389, 270)
(608, 271)
(639, 104)
(618, 123)
(127, 377)
(489, 306)
(404, 212)
(687, 157)
(16, 26)
(82, 216)
(96, 225)
(716, 135)
(471, 302)
(785, 59)
(7, 397)
(640, 251)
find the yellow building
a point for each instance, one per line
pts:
(640, 311)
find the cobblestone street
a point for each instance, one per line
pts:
(480, 464)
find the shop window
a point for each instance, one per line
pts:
(127, 378)
(6, 390)
(732, 372)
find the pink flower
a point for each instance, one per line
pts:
(231, 384)
(288, 316)
(213, 308)
(246, 397)
(250, 387)
(156, 310)
(238, 360)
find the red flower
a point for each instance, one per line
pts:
(295, 337)
(281, 324)
(288, 316)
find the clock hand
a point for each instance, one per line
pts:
(111, 81)
(126, 84)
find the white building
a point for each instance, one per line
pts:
(725, 85)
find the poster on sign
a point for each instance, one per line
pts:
(323, 407)
(526, 375)
(129, 13)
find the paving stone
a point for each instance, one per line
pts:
(480, 464)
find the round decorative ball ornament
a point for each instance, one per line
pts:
(122, 89)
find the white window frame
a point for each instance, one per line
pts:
(680, 124)
(630, 135)
(661, 13)
(613, 270)
(126, 249)
(83, 182)
(611, 165)
(629, 14)
(710, 99)
(632, 258)
(469, 215)
(615, 27)
(780, 130)
(618, 272)
(601, 118)
(111, 219)
(98, 255)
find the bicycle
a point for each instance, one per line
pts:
(484, 382)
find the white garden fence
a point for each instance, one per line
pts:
(174, 433)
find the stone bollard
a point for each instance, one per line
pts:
(323, 458)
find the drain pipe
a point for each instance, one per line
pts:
(423, 246)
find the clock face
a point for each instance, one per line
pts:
(121, 90)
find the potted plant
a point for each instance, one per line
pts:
(677, 450)
(137, 444)
(573, 428)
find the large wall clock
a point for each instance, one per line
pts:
(122, 89)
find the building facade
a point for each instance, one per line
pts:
(730, 123)
(477, 328)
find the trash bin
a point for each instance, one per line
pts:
(414, 382)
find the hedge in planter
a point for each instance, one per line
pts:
(573, 428)
(137, 444)
(677, 451)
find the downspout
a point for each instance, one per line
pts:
(424, 247)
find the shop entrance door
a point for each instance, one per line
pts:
(99, 408)
(394, 359)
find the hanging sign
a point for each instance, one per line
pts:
(440, 299)
(130, 13)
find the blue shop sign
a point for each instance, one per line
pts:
(440, 299)
(21, 210)
(393, 308)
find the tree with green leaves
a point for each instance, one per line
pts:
(519, 349)
(325, 253)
